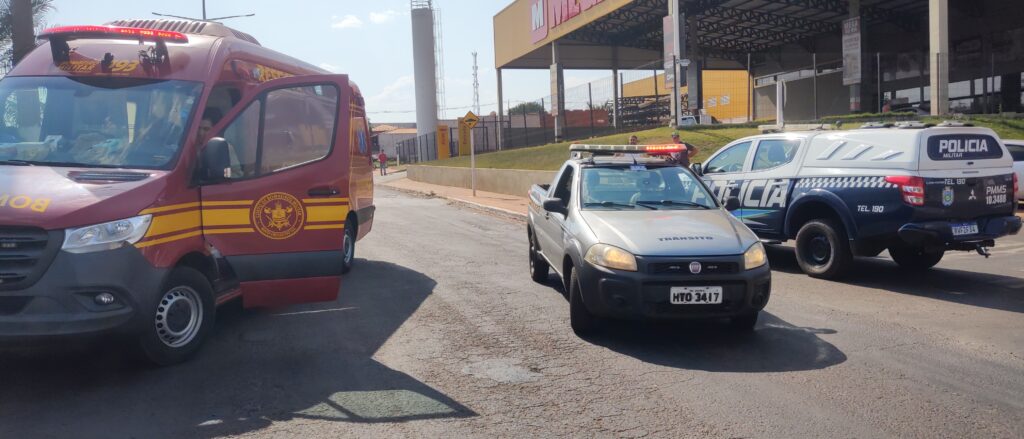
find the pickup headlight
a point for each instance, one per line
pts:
(607, 256)
(755, 256)
(106, 236)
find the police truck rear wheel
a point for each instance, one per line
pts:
(178, 323)
(538, 266)
(349, 247)
(580, 319)
(915, 258)
(822, 249)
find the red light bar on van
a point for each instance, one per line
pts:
(128, 33)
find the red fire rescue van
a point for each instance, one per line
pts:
(151, 170)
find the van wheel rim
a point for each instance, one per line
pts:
(349, 247)
(179, 317)
(819, 250)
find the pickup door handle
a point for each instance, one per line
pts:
(323, 191)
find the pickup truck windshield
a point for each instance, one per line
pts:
(625, 187)
(94, 122)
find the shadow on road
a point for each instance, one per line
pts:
(774, 346)
(307, 362)
(958, 286)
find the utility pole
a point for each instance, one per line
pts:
(476, 87)
(23, 37)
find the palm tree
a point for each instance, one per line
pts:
(18, 19)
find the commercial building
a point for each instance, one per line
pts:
(834, 56)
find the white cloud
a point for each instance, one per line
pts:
(382, 17)
(347, 22)
(397, 96)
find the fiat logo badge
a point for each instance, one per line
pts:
(695, 267)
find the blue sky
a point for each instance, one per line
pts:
(370, 40)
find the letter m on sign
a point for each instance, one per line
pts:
(538, 21)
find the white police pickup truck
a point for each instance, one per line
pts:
(915, 190)
(628, 242)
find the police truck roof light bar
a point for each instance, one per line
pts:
(128, 33)
(598, 150)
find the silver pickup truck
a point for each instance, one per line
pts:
(633, 236)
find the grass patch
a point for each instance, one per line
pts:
(550, 157)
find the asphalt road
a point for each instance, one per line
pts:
(439, 332)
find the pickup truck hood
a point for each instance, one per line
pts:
(712, 232)
(58, 198)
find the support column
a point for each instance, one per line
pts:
(615, 87)
(557, 92)
(855, 89)
(1010, 93)
(938, 48)
(501, 114)
(694, 72)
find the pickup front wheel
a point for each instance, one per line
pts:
(538, 265)
(580, 319)
(823, 250)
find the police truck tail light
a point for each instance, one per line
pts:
(1016, 186)
(912, 188)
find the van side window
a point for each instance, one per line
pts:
(563, 190)
(299, 126)
(243, 140)
(773, 153)
(730, 160)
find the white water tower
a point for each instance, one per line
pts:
(424, 70)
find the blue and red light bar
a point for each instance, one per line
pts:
(127, 33)
(627, 149)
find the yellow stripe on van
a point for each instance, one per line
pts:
(323, 214)
(326, 227)
(227, 231)
(174, 222)
(171, 238)
(169, 208)
(227, 203)
(226, 217)
(325, 200)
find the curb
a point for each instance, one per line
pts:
(472, 204)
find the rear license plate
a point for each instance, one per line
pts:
(695, 295)
(963, 229)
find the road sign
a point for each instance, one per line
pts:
(470, 120)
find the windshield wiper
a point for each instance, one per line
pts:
(14, 162)
(671, 203)
(614, 204)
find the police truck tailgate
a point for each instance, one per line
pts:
(965, 176)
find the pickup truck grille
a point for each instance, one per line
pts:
(25, 253)
(683, 267)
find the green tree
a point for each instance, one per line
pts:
(17, 39)
(528, 107)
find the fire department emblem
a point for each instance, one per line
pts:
(278, 216)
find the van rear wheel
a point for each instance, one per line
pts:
(179, 322)
(349, 247)
(915, 258)
(823, 250)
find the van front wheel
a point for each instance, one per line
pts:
(178, 323)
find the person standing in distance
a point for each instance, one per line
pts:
(683, 157)
(383, 159)
(633, 140)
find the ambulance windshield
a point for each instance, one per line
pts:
(94, 122)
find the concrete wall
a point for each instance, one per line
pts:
(502, 181)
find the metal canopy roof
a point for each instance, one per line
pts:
(729, 29)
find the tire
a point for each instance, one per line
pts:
(538, 265)
(177, 324)
(823, 249)
(744, 323)
(915, 258)
(580, 319)
(348, 247)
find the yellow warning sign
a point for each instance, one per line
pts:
(470, 120)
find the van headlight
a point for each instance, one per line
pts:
(106, 236)
(755, 256)
(607, 256)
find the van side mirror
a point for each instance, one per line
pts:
(732, 204)
(554, 205)
(215, 161)
(698, 169)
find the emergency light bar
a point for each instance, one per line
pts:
(597, 150)
(127, 33)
